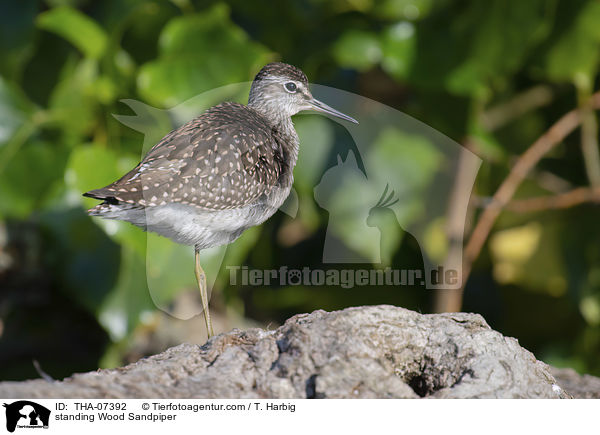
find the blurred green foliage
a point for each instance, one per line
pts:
(73, 290)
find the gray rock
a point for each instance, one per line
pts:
(363, 352)
(579, 386)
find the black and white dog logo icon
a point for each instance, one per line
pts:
(26, 414)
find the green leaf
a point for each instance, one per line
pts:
(121, 309)
(188, 64)
(76, 27)
(170, 269)
(404, 9)
(357, 49)
(578, 50)
(486, 43)
(14, 109)
(105, 90)
(316, 136)
(91, 167)
(29, 176)
(73, 103)
(398, 43)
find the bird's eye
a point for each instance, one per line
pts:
(291, 87)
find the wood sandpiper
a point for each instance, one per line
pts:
(221, 173)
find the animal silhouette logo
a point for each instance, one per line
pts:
(374, 222)
(344, 191)
(414, 165)
(382, 217)
(26, 414)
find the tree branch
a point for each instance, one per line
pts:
(572, 198)
(517, 106)
(555, 134)
(589, 138)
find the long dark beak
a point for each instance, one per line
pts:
(319, 106)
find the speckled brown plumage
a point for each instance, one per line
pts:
(228, 169)
(224, 159)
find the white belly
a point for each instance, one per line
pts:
(189, 225)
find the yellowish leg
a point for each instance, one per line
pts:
(201, 278)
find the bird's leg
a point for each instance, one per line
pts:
(201, 278)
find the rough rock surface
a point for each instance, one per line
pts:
(363, 352)
(579, 386)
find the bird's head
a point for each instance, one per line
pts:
(381, 215)
(280, 89)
